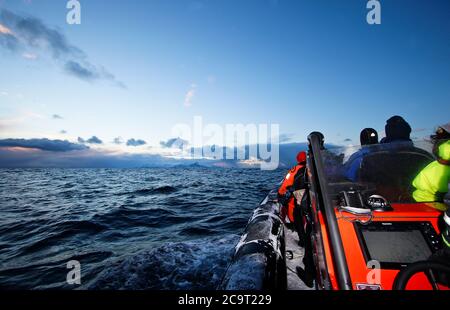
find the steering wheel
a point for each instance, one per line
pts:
(403, 278)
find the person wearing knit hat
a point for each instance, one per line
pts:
(397, 130)
(369, 139)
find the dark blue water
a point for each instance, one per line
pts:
(129, 229)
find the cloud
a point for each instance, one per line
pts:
(133, 142)
(285, 137)
(33, 33)
(177, 143)
(56, 116)
(188, 98)
(19, 33)
(92, 140)
(63, 132)
(421, 129)
(80, 71)
(43, 145)
(89, 158)
(29, 56)
(4, 30)
(118, 140)
(7, 39)
(41, 153)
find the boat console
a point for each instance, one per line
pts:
(367, 228)
(395, 245)
(376, 233)
(389, 241)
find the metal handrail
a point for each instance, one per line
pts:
(337, 248)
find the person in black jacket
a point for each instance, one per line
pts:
(397, 130)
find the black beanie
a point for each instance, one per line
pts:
(397, 129)
(369, 136)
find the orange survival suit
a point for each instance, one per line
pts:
(285, 193)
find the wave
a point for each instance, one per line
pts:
(193, 265)
(48, 216)
(63, 231)
(50, 274)
(153, 191)
(197, 231)
(131, 217)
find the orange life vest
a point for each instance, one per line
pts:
(291, 208)
(289, 179)
(288, 182)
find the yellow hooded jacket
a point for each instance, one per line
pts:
(432, 182)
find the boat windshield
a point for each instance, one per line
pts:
(382, 169)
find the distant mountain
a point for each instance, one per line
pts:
(89, 158)
(287, 153)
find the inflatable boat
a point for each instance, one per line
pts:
(368, 233)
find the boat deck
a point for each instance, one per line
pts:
(294, 282)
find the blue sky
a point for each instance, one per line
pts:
(306, 65)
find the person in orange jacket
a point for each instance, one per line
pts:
(294, 181)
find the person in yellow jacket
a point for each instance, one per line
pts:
(432, 182)
(443, 256)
